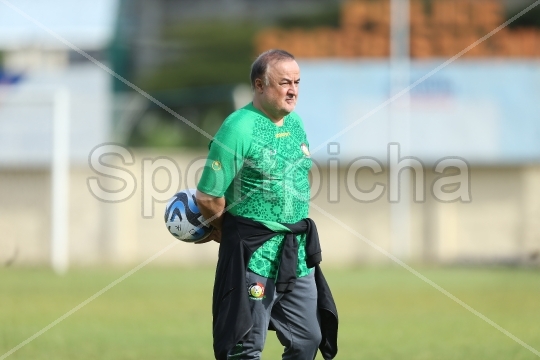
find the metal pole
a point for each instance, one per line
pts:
(399, 124)
(60, 182)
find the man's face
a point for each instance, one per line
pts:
(281, 93)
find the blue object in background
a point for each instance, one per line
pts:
(9, 79)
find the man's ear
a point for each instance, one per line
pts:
(259, 85)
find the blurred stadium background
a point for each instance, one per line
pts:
(56, 106)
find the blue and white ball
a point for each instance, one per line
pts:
(183, 218)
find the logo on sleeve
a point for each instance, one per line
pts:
(256, 291)
(216, 165)
(305, 149)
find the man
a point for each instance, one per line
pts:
(255, 189)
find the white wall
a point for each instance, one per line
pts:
(500, 224)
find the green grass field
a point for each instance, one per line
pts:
(164, 313)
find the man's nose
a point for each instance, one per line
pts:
(293, 89)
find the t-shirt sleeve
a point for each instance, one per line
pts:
(225, 159)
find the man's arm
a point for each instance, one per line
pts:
(211, 207)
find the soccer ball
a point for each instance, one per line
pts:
(183, 218)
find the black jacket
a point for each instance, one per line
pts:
(230, 308)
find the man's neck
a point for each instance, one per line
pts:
(276, 119)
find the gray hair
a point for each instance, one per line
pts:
(260, 65)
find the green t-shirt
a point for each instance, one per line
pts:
(263, 170)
